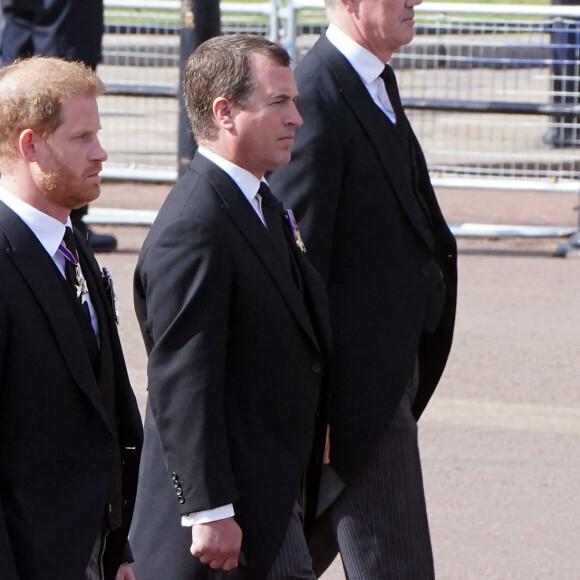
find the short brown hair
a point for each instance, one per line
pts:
(32, 92)
(220, 67)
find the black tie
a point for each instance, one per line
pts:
(81, 310)
(390, 81)
(71, 267)
(272, 211)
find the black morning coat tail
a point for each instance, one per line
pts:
(236, 363)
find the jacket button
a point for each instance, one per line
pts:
(316, 368)
(425, 271)
(181, 500)
(174, 476)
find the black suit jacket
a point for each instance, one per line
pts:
(236, 360)
(61, 428)
(358, 201)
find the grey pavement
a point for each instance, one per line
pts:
(501, 436)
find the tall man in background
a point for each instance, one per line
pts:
(235, 323)
(69, 29)
(70, 431)
(359, 187)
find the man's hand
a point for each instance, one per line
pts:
(125, 572)
(217, 543)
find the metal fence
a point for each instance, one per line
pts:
(490, 90)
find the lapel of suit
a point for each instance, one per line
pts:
(42, 277)
(99, 300)
(389, 151)
(243, 216)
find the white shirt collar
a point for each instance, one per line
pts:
(246, 181)
(47, 229)
(365, 63)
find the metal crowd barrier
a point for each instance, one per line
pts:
(491, 90)
(493, 93)
(141, 73)
(484, 86)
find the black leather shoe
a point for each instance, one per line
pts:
(102, 242)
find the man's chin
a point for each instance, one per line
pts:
(283, 159)
(90, 195)
(93, 192)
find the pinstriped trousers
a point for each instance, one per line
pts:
(293, 560)
(380, 519)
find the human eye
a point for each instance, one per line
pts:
(280, 99)
(85, 135)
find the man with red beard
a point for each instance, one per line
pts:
(69, 29)
(70, 431)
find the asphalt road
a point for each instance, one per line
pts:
(500, 440)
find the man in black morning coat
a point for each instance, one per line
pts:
(70, 431)
(235, 323)
(360, 190)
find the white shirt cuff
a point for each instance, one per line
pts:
(206, 516)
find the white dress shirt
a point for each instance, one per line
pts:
(367, 66)
(49, 232)
(246, 181)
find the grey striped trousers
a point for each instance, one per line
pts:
(380, 519)
(293, 560)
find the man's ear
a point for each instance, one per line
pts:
(28, 145)
(223, 113)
